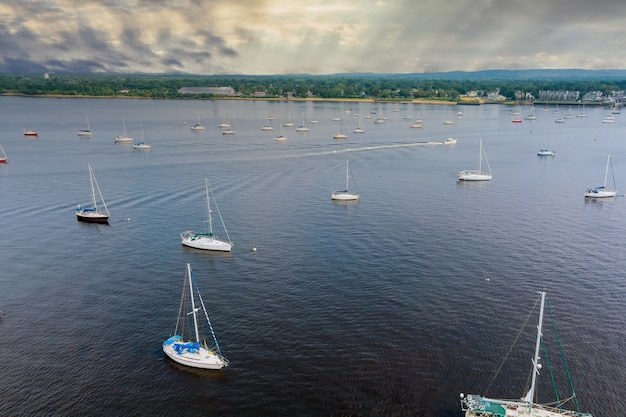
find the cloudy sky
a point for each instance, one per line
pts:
(314, 37)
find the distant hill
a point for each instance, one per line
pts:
(531, 74)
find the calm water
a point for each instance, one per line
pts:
(377, 308)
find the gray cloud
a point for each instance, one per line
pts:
(263, 37)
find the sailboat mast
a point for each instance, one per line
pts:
(347, 173)
(480, 156)
(606, 171)
(193, 304)
(208, 205)
(530, 396)
(93, 189)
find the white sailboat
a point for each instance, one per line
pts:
(288, 123)
(93, 214)
(198, 125)
(477, 174)
(125, 136)
(450, 120)
(303, 127)
(417, 123)
(479, 406)
(225, 124)
(143, 144)
(360, 127)
(602, 191)
(85, 133)
(207, 241)
(546, 151)
(192, 351)
(230, 130)
(268, 127)
(342, 131)
(281, 137)
(346, 195)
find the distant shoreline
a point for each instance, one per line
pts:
(461, 102)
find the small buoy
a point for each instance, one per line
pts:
(253, 249)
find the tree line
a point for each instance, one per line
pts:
(372, 86)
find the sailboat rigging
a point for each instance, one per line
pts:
(346, 195)
(192, 351)
(125, 136)
(86, 133)
(93, 214)
(207, 241)
(479, 406)
(602, 191)
(477, 174)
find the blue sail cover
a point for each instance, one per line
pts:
(191, 347)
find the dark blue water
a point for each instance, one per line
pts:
(377, 308)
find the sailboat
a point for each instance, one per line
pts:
(477, 174)
(345, 195)
(230, 130)
(86, 133)
(125, 137)
(268, 127)
(302, 127)
(532, 114)
(3, 158)
(207, 241)
(288, 123)
(188, 349)
(226, 124)
(198, 126)
(546, 151)
(143, 145)
(449, 120)
(281, 137)
(601, 191)
(93, 214)
(479, 406)
(360, 128)
(582, 112)
(342, 132)
(417, 124)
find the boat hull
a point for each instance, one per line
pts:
(204, 242)
(196, 358)
(122, 139)
(600, 193)
(92, 217)
(474, 176)
(344, 197)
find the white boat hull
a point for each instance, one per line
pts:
(204, 241)
(122, 139)
(474, 176)
(344, 197)
(200, 358)
(595, 193)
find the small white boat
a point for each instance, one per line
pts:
(477, 174)
(303, 127)
(281, 137)
(450, 120)
(289, 123)
(225, 124)
(193, 352)
(29, 132)
(85, 133)
(602, 191)
(609, 119)
(228, 127)
(198, 125)
(360, 127)
(450, 141)
(125, 136)
(342, 132)
(143, 145)
(207, 241)
(345, 194)
(93, 214)
(545, 152)
(478, 406)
